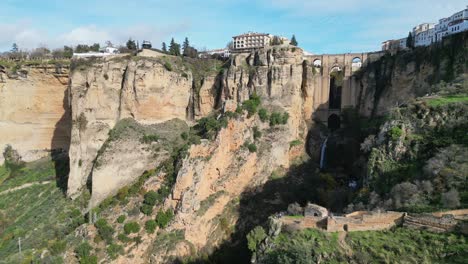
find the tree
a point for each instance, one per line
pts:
(276, 41)
(14, 48)
(410, 41)
(95, 47)
(131, 45)
(164, 47)
(109, 44)
(255, 237)
(293, 40)
(186, 44)
(67, 52)
(174, 48)
(81, 48)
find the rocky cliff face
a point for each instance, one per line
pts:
(104, 92)
(394, 80)
(34, 112)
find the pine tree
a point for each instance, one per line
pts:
(293, 40)
(410, 41)
(164, 47)
(186, 44)
(174, 48)
(14, 47)
(131, 45)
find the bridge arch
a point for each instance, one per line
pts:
(356, 63)
(336, 87)
(317, 63)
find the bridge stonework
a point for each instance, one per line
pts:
(318, 80)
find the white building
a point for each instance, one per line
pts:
(251, 40)
(425, 34)
(456, 23)
(225, 53)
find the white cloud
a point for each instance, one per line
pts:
(28, 37)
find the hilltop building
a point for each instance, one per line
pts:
(427, 33)
(250, 41)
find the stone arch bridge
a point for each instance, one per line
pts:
(334, 85)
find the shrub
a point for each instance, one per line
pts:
(207, 127)
(105, 230)
(58, 247)
(275, 119)
(83, 250)
(123, 238)
(89, 260)
(151, 198)
(168, 66)
(295, 143)
(123, 193)
(250, 146)
(263, 114)
(150, 226)
(184, 135)
(150, 138)
(251, 105)
(121, 219)
(254, 238)
(114, 250)
(256, 133)
(131, 227)
(164, 217)
(395, 133)
(146, 209)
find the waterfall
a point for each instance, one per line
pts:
(322, 153)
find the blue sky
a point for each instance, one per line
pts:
(330, 26)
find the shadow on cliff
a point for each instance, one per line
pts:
(303, 182)
(60, 144)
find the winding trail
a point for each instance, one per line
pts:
(26, 185)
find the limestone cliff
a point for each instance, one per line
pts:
(396, 79)
(34, 112)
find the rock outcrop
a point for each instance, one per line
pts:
(34, 111)
(104, 92)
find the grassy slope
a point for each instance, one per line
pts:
(397, 246)
(39, 214)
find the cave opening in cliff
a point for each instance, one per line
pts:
(336, 84)
(334, 122)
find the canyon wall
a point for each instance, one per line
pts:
(34, 111)
(106, 91)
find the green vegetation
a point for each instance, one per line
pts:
(114, 250)
(208, 127)
(295, 143)
(149, 138)
(131, 227)
(395, 133)
(252, 104)
(256, 133)
(164, 217)
(42, 206)
(398, 246)
(150, 226)
(445, 100)
(263, 114)
(168, 66)
(121, 219)
(277, 118)
(83, 252)
(105, 230)
(167, 241)
(250, 146)
(255, 237)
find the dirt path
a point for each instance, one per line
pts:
(26, 185)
